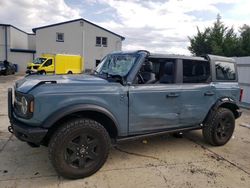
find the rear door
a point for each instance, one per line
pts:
(197, 91)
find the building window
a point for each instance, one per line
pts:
(59, 37)
(104, 41)
(101, 41)
(98, 41)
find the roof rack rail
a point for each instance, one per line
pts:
(138, 51)
(205, 56)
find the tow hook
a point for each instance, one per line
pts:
(10, 129)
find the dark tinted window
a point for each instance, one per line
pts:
(225, 70)
(98, 41)
(104, 41)
(48, 63)
(60, 37)
(196, 71)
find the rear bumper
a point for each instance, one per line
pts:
(22, 131)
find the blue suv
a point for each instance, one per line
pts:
(129, 95)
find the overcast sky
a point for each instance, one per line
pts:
(156, 25)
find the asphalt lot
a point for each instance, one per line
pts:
(163, 161)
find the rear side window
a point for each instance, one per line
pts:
(225, 70)
(196, 71)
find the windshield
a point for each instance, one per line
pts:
(116, 64)
(39, 60)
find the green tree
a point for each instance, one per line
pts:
(218, 40)
(245, 40)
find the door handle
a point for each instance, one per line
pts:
(173, 95)
(209, 93)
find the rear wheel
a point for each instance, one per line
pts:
(219, 127)
(70, 72)
(79, 148)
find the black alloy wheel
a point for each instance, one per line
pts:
(219, 127)
(79, 148)
(83, 151)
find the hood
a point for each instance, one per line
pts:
(29, 82)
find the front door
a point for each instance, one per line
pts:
(48, 66)
(153, 107)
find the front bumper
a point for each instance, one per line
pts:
(31, 71)
(22, 131)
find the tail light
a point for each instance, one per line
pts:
(241, 94)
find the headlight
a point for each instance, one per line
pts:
(24, 105)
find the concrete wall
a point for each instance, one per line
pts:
(243, 67)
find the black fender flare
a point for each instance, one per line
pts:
(226, 102)
(59, 114)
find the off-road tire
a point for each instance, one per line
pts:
(65, 134)
(211, 131)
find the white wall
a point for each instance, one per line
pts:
(18, 39)
(21, 59)
(2, 43)
(93, 52)
(46, 39)
(243, 67)
(31, 41)
(79, 39)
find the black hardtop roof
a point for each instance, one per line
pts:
(207, 57)
(165, 56)
(174, 56)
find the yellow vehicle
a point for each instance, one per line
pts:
(56, 64)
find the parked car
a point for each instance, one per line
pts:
(130, 95)
(7, 68)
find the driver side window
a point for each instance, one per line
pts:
(48, 63)
(157, 71)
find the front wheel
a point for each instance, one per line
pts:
(79, 148)
(219, 127)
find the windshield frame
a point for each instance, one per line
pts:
(109, 57)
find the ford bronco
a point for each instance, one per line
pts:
(130, 95)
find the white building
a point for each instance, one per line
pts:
(16, 46)
(243, 67)
(79, 37)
